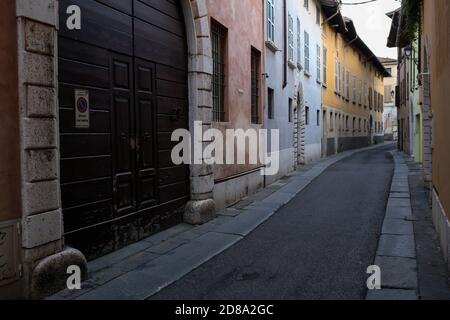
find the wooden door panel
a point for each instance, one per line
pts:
(118, 182)
(123, 134)
(145, 133)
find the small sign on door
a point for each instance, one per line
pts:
(82, 108)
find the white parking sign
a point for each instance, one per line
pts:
(82, 119)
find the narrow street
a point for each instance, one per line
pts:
(316, 247)
(224, 150)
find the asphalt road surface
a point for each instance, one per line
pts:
(316, 247)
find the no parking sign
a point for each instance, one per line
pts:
(82, 119)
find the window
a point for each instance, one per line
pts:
(359, 125)
(290, 110)
(325, 70)
(354, 124)
(306, 52)
(375, 105)
(317, 14)
(299, 44)
(306, 4)
(307, 115)
(360, 92)
(347, 85)
(389, 70)
(331, 122)
(370, 98)
(255, 72)
(365, 94)
(218, 39)
(318, 118)
(336, 75)
(291, 38)
(270, 101)
(346, 123)
(354, 89)
(271, 20)
(387, 93)
(365, 125)
(319, 64)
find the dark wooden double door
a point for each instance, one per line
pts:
(118, 183)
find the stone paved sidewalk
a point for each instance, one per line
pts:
(412, 267)
(144, 268)
(396, 255)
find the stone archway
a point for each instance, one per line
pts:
(201, 208)
(45, 259)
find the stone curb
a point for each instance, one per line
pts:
(396, 254)
(141, 270)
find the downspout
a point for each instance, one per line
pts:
(285, 43)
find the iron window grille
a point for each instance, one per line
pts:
(218, 39)
(255, 71)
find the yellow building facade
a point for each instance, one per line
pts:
(352, 95)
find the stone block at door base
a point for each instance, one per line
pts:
(50, 274)
(200, 212)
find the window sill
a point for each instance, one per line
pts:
(299, 66)
(324, 85)
(307, 74)
(292, 65)
(271, 46)
(318, 81)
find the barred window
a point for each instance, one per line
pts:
(218, 39)
(255, 72)
(271, 102)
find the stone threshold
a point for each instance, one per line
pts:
(396, 254)
(141, 270)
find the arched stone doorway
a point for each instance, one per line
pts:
(45, 256)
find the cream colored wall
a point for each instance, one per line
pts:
(352, 61)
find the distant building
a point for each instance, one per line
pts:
(390, 109)
(353, 89)
(409, 112)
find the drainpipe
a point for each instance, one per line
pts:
(285, 44)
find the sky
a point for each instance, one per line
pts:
(372, 24)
